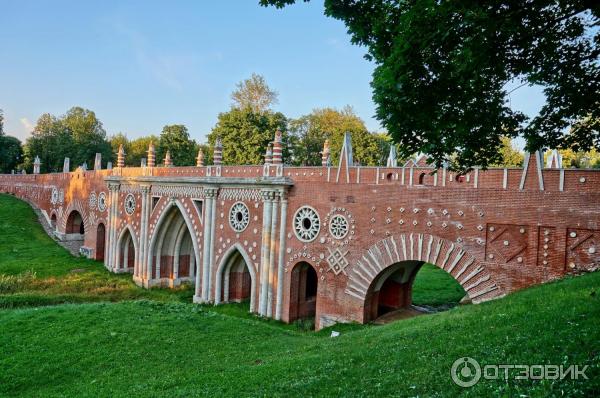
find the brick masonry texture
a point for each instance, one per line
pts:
(494, 231)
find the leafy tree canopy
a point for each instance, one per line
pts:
(245, 135)
(309, 132)
(11, 153)
(254, 93)
(176, 139)
(444, 70)
(580, 159)
(77, 135)
(509, 155)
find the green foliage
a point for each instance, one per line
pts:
(509, 155)
(309, 132)
(138, 149)
(254, 93)
(444, 71)
(579, 159)
(11, 153)
(176, 139)
(78, 135)
(245, 135)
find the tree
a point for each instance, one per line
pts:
(509, 155)
(579, 160)
(254, 93)
(444, 70)
(77, 135)
(176, 139)
(309, 132)
(245, 135)
(138, 149)
(11, 153)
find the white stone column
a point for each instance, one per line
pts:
(211, 259)
(202, 278)
(113, 222)
(267, 196)
(280, 262)
(272, 253)
(143, 243)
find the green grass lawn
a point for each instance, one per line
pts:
(165, 346)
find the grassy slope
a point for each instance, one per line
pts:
(150, 348)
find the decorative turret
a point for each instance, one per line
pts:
(269, 154)
(84, 166)
(325, 158)
(121, 156)
(36, 165)
(67, 165)
(168, 162)
(200, 158)
(151, 155)
(218, 152)
(277, 148)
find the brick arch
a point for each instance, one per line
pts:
(469, 272)
(75, 205)
(222, 268)
(134, 238)
(162, 219)
(297, 305)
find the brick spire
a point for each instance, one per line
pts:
(200, 158)
(151, 155)
(325, 161)
(218, 152)
(121, 156)
(277, 148)
(168, 161)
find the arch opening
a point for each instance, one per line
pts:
(410, 288)
(75, 223)
(173, 256)
(304, 284)
(127, 252)
(53, 221)
(100, 241)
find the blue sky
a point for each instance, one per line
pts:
(143, 64)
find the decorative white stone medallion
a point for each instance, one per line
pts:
(102, 201)
(130, 204)
(306, 224)
(338, 226)
(239, 217)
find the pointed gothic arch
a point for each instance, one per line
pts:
(165, 253)
(127, 250)
(236, 260)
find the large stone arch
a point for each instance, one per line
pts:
(162, 222)
(222, 269)
(120, 243)
(451, 257)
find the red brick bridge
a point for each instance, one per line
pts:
(342, 243)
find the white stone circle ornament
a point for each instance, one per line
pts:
(338, 226)
(102, 201)
(239, 217)
(306, 224)
(129, 204)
